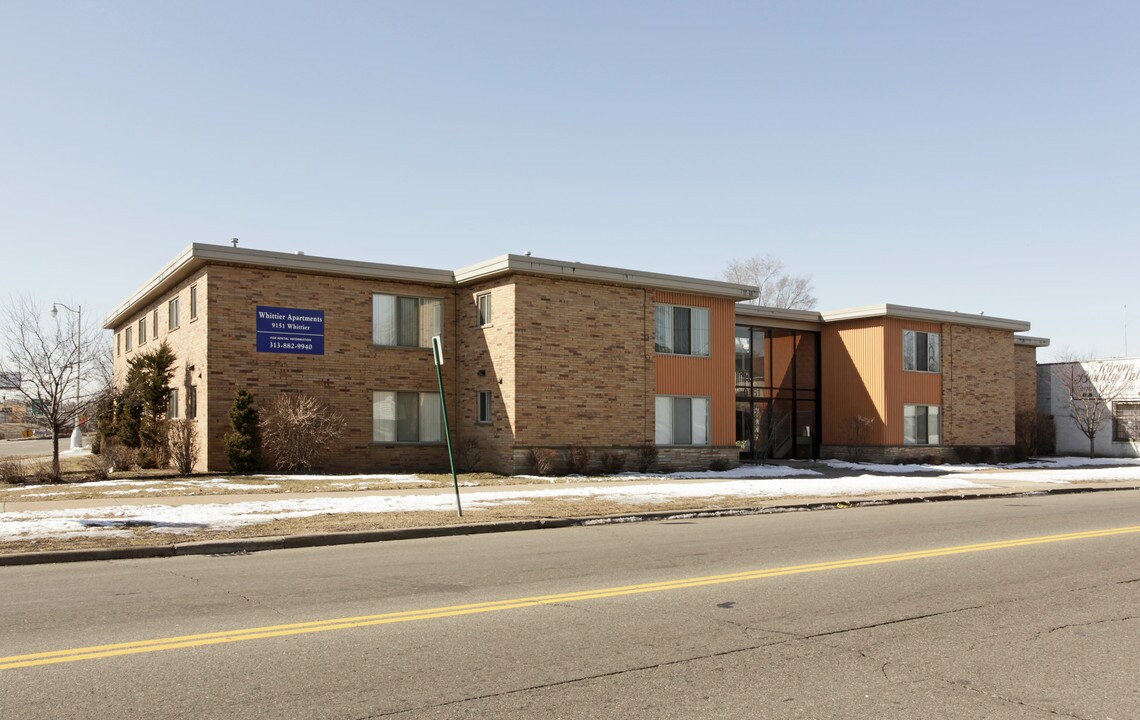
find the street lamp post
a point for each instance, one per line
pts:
(76, 434)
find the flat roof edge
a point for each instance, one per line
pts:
(507, 264)
(198, 254)
(926, 314)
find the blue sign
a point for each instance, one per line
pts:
(290, 330)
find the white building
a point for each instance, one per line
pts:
(1104, 389)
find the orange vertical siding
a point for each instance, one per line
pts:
(711, 376)
(853, 379)
(904, 386)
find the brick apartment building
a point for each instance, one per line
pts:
(547, 354)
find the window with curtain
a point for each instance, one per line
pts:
(411, 417)
(681, 330)
(682, 420)
(922, 424)
(399, 321)
(922, 351)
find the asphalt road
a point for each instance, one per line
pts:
(1007, 608)
(31, 448)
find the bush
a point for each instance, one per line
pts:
(470, 455)
(117, 456)
(613, 461)
(147, 458)
(578, 459)
(96, 468)
(183, 439)
(543, 461)
(243, 442)
(646, 457)
(13, 472)
(718, 465)
(298, 431)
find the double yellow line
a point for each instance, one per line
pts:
(273, 631)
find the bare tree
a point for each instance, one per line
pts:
(1088, 390)
(45, 355)
(298, 430)
(777, 287)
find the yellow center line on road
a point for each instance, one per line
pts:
(272, 631)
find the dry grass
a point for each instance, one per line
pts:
(161, 483)
(534, 510)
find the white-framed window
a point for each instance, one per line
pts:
(142, 331)
(406, 417)
(399, 321)
(922, 351)
(1126, 421)
(172, 309)
(193, 302)
(127, 339)
(682, 330)
(484, 400)
(119, 344)
(172, 404)
(192, 402)
(682, 420)
(922, 425)
(483, 303)
(154, 325)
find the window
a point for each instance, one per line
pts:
(119, 344)
(406, 417)
(484, 303)
(1126, 421)
(127, 339)
(682, 330)
(682, 420)
(484, 406)
(921, 424)
(142, 331)
(193, 302)
(405, 321)
(192, 402)
(172, 404)
(172, 308)
(922, 351)
(154, 325)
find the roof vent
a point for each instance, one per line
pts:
(300, 252)
(234, 241)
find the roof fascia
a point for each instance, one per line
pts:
(198, 255)
(509, 264)
(927, 315)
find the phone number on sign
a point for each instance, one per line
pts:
(290, 346)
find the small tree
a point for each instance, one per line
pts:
(298, 431)
(243, 442)
(45, 360)
(183, 438)
(776, 286)
(1088, 390)
(141, 408)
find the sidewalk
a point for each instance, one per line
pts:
(825, 487)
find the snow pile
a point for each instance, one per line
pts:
(223, 516)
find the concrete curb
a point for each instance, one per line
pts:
(235, 546)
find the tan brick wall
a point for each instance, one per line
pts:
(344, 378)
(978, 395)
(188, 343)
(584, 364)
(1025, 378)
(486, 361)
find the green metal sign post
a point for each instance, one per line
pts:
(437, 351)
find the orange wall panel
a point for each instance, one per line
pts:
(710, 376)
(852, 379)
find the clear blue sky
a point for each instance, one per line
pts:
(972, 156)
